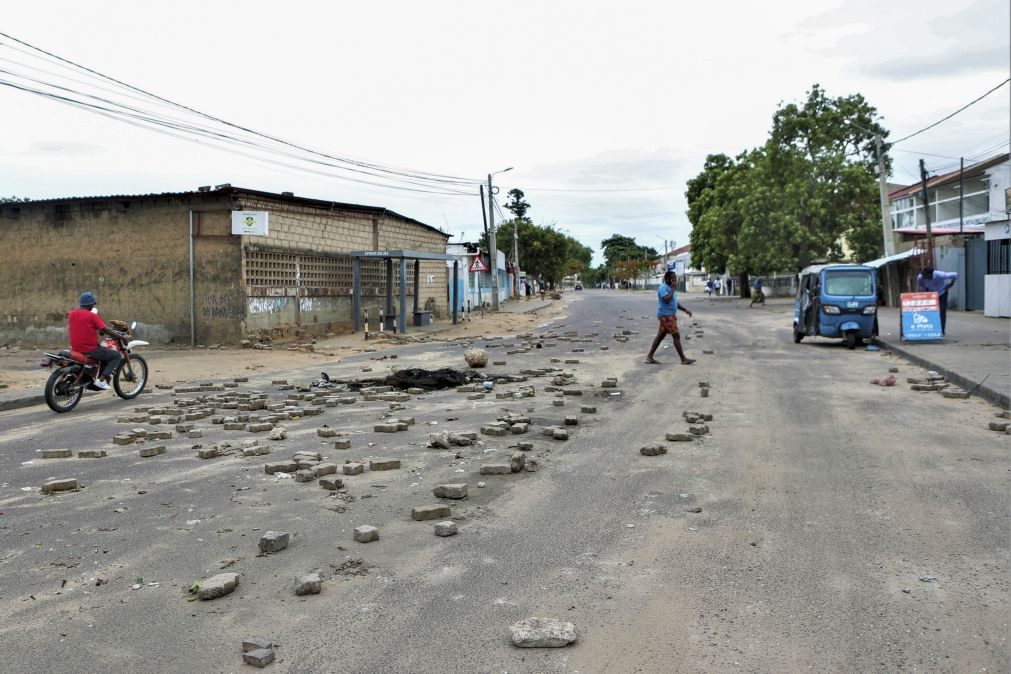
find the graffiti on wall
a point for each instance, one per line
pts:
(219, 306)
(309, 304)
(266, 305)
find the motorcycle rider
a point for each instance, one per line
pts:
(85, 327)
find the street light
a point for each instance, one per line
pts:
(492, 244)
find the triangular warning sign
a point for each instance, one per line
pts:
(478, 264)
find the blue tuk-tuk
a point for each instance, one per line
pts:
(836, 300)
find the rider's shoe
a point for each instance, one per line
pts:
(98, 383)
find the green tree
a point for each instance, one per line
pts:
(808, 193)
(517, 205)
(544, 251)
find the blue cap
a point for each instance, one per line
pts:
(88, 299)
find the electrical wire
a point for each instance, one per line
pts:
(375, 169)
(946, 118)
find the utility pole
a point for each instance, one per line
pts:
(961, 193)
(492, 247)
(516, 258)
(926, 211)
(886, 216)
(492, 243)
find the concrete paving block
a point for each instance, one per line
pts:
(152, 451)
(280, 467)
(218, 586)
(384, 464)
(310, 583)
(304, 476)
(261, 657)
(321, 469)
(91, 453)
(454, 491)
(447, 528)
(496, 469)
(366, 534)
(254, 643)
(353, 468)
(53, 486)
(680, 437)
(274, 541)
(430, 512)
(331, 483)
(342, 444)
(653, 451)
(57, 453)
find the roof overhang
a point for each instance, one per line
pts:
(882, 261)
(401, 255)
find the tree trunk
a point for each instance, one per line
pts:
(745, 285)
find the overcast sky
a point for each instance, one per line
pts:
(585, 96)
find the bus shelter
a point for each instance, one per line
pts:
(402, 256)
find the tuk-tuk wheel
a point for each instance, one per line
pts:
(851, 340)
(797, 336)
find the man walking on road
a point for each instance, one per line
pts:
(666, 311)
(930, 281)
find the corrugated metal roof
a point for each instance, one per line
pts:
(237, 192)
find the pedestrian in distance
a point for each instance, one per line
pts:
(940, 282)
(709, 287)
(666, 312)
(757, 297)
(717, 286)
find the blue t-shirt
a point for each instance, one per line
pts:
(938, 284)
(669, 309)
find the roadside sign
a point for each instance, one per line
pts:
(478, 264)
(921, 316)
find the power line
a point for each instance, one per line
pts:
(391, 171)
(601, 189)
(944, 119)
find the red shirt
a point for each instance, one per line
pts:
(84, 327)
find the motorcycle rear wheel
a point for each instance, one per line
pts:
(130, 378)
(62, 395)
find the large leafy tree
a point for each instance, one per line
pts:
(808, 193)
(545, 252)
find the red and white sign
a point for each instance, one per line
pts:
(478, 264)
(919, 302)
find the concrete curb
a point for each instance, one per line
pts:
(979, 389)
(23, 401)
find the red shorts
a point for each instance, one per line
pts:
(669, 325)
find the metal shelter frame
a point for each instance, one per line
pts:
(403, 256)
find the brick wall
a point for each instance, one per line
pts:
(133, 252)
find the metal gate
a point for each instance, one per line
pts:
(975, 274)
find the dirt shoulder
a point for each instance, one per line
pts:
(20, 371)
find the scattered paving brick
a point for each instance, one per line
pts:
(366, 534)
(280, 467)
(91, 453)
(496, 469)
(342, 444)
(653, 451)
(254, 643)
(353, 468)
(57, 453)
(331, 483)
(430, 512)
(218, 586)
(698, 429)
(517, 462)
(66, 484)
(304, 476)
(310, 583)
(454, 491)
(384, 464)
(447, 528)
(152, 451)
(321, 469)
(680, 437)
(274, 541)
(1000, 426)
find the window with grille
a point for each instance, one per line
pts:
(998, 256)
(291, 270)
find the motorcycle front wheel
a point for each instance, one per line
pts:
(62, 391)
(130, 378)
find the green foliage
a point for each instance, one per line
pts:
(617, 247)
(12, 200)
(517, 205)
(806, 195)
(545, 253)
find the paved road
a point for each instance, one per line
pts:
(823, 502)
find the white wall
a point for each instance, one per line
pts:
(997, 296)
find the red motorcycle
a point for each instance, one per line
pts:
(76, 372)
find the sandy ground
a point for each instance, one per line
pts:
(20, 371)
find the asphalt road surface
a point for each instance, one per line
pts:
(823, 523)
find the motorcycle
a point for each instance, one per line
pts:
(76, 373)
